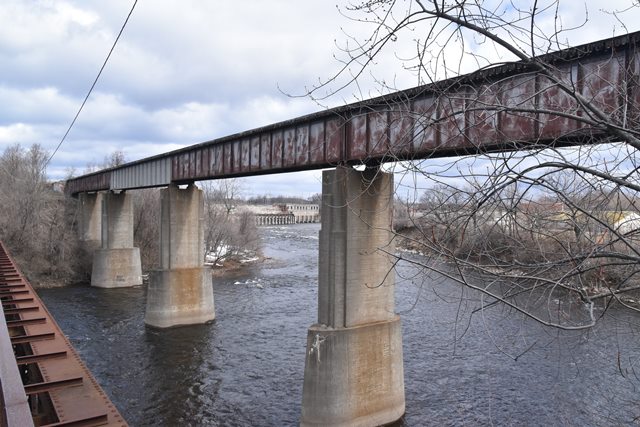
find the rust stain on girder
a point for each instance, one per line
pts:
(59, 385)
(499, 108)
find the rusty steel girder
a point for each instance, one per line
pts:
(501, 108)
(57, 387)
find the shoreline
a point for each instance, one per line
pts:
(230, 267)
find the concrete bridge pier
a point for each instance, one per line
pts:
(90, 221)
(180, 293)
(353, 370)
(117, 263)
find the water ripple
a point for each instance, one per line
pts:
(246, 368)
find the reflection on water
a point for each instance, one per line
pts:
(246, 368)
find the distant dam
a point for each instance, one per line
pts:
(285, 213)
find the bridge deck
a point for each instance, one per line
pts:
(60, 388)
(500, 108)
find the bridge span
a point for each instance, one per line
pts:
(354, 372)
(499, 108)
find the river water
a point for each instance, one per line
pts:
(246, 368)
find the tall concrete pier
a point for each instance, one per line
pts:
(117, 262)
(180, 293)
(90, 221)
(354, 370)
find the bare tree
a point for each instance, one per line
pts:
(23, 192)
(36, 221)
(116, 158)
(515, 217)
(146, 226)
(216, 214)
(229, 230)
(246, 238)
(315, 198)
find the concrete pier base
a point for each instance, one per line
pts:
(353, 376)
(179, 297)
(181, 292)
(354, 370)
(116, 268)
(117, 262)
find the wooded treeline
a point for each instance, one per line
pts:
(39, 224)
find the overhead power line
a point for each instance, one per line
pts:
(92, 86)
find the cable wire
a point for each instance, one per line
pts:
(104, 64)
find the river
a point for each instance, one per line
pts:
(246, 368)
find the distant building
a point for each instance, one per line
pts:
(57, 186)
(284, 214)
(623, 222)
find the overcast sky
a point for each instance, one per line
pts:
(183, 72)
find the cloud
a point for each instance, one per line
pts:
(30, 24)
(191, 71)
(19, 133)
(35, 104)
